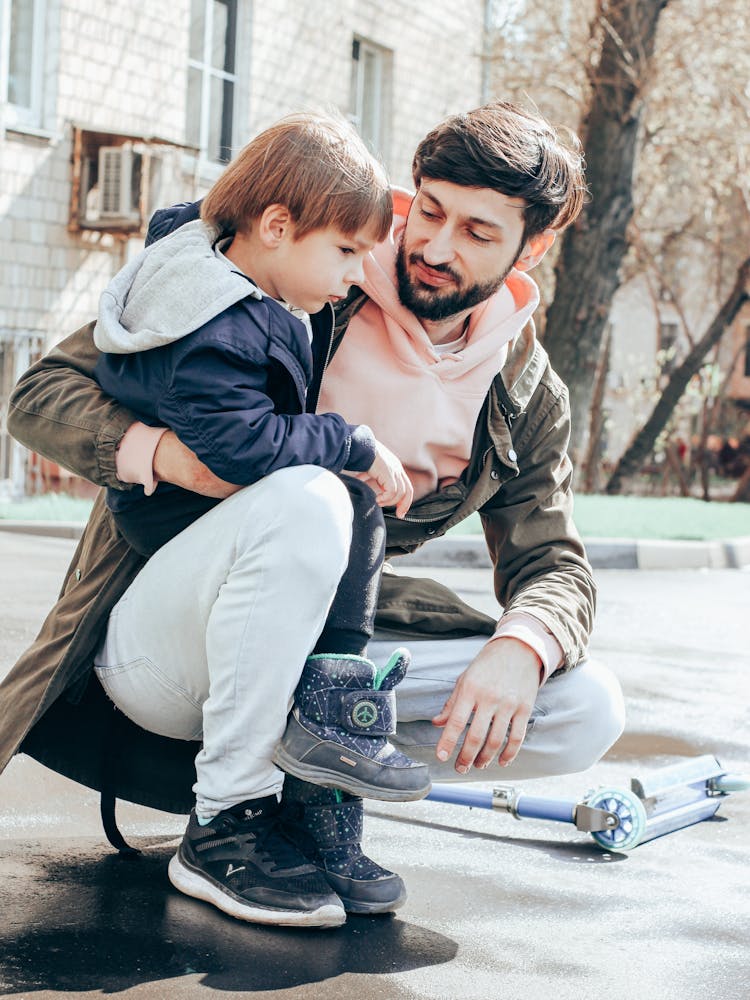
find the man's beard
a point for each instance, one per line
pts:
(428, 303)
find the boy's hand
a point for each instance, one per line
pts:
(394, 485)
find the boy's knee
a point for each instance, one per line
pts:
(315, 512)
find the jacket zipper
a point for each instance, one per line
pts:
(428, 520)
(325, 363)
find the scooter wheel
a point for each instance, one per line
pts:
(631, 815)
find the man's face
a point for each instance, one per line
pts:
(457, 248)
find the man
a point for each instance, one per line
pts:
(437, 353)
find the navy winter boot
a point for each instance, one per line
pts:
(326, 826)
(337, 735)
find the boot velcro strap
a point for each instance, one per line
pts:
(334, 825)
(368, 713)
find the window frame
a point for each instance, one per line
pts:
(378, 141)
(19, 115)
(209, 73)
(25, 348)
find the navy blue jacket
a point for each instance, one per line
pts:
(241, 392)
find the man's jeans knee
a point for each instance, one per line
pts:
(577, 716)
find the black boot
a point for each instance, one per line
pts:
(326, 826)
(337, 734)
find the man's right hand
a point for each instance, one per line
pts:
(175, 463)
(395, 487)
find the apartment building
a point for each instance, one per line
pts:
(111, 109)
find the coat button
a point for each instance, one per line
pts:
(78, 574)
(512, 455)
(494, 474)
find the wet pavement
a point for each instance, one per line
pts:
(496, 908)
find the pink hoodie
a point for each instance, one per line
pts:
(421, 404)
(424, 405)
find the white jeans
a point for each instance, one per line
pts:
(210, 639)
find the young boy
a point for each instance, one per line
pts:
(220, 332)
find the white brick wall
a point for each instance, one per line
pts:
(121, 66)
(301, 57)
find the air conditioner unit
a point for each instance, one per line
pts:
(119, 183)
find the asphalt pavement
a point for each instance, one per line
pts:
(496, 908)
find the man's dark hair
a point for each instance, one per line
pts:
(511, 150)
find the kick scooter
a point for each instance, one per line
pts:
(670, 799)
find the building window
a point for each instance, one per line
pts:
(369, 96)
(16, 354)
(212, 78)
(22, 61)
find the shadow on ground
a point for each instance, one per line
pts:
(101, 921)
(572, 853)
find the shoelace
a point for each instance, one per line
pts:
(274, 844)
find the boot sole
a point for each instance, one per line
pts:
(199, 887)
(344, 781)
(361, 907)
(360, 903)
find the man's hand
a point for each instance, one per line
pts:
(175, 463)
(394, 486)
(499, 687)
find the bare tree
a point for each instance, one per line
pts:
(693, 208)
(588, 267)
(644, 441)
(665, 134)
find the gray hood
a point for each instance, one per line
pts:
(169, 290)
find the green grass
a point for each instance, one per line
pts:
(596, 516)
(650, 517)
(660, 517)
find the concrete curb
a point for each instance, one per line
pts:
(470, 551)
(53, 529)
(604, 553)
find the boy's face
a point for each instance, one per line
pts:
(320, 267)
(457, 247)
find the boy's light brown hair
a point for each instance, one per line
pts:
(513, 151)
(317, 167)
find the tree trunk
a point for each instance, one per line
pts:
(591, 469)
(742, 493)
(592, 251)
(644, 440)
